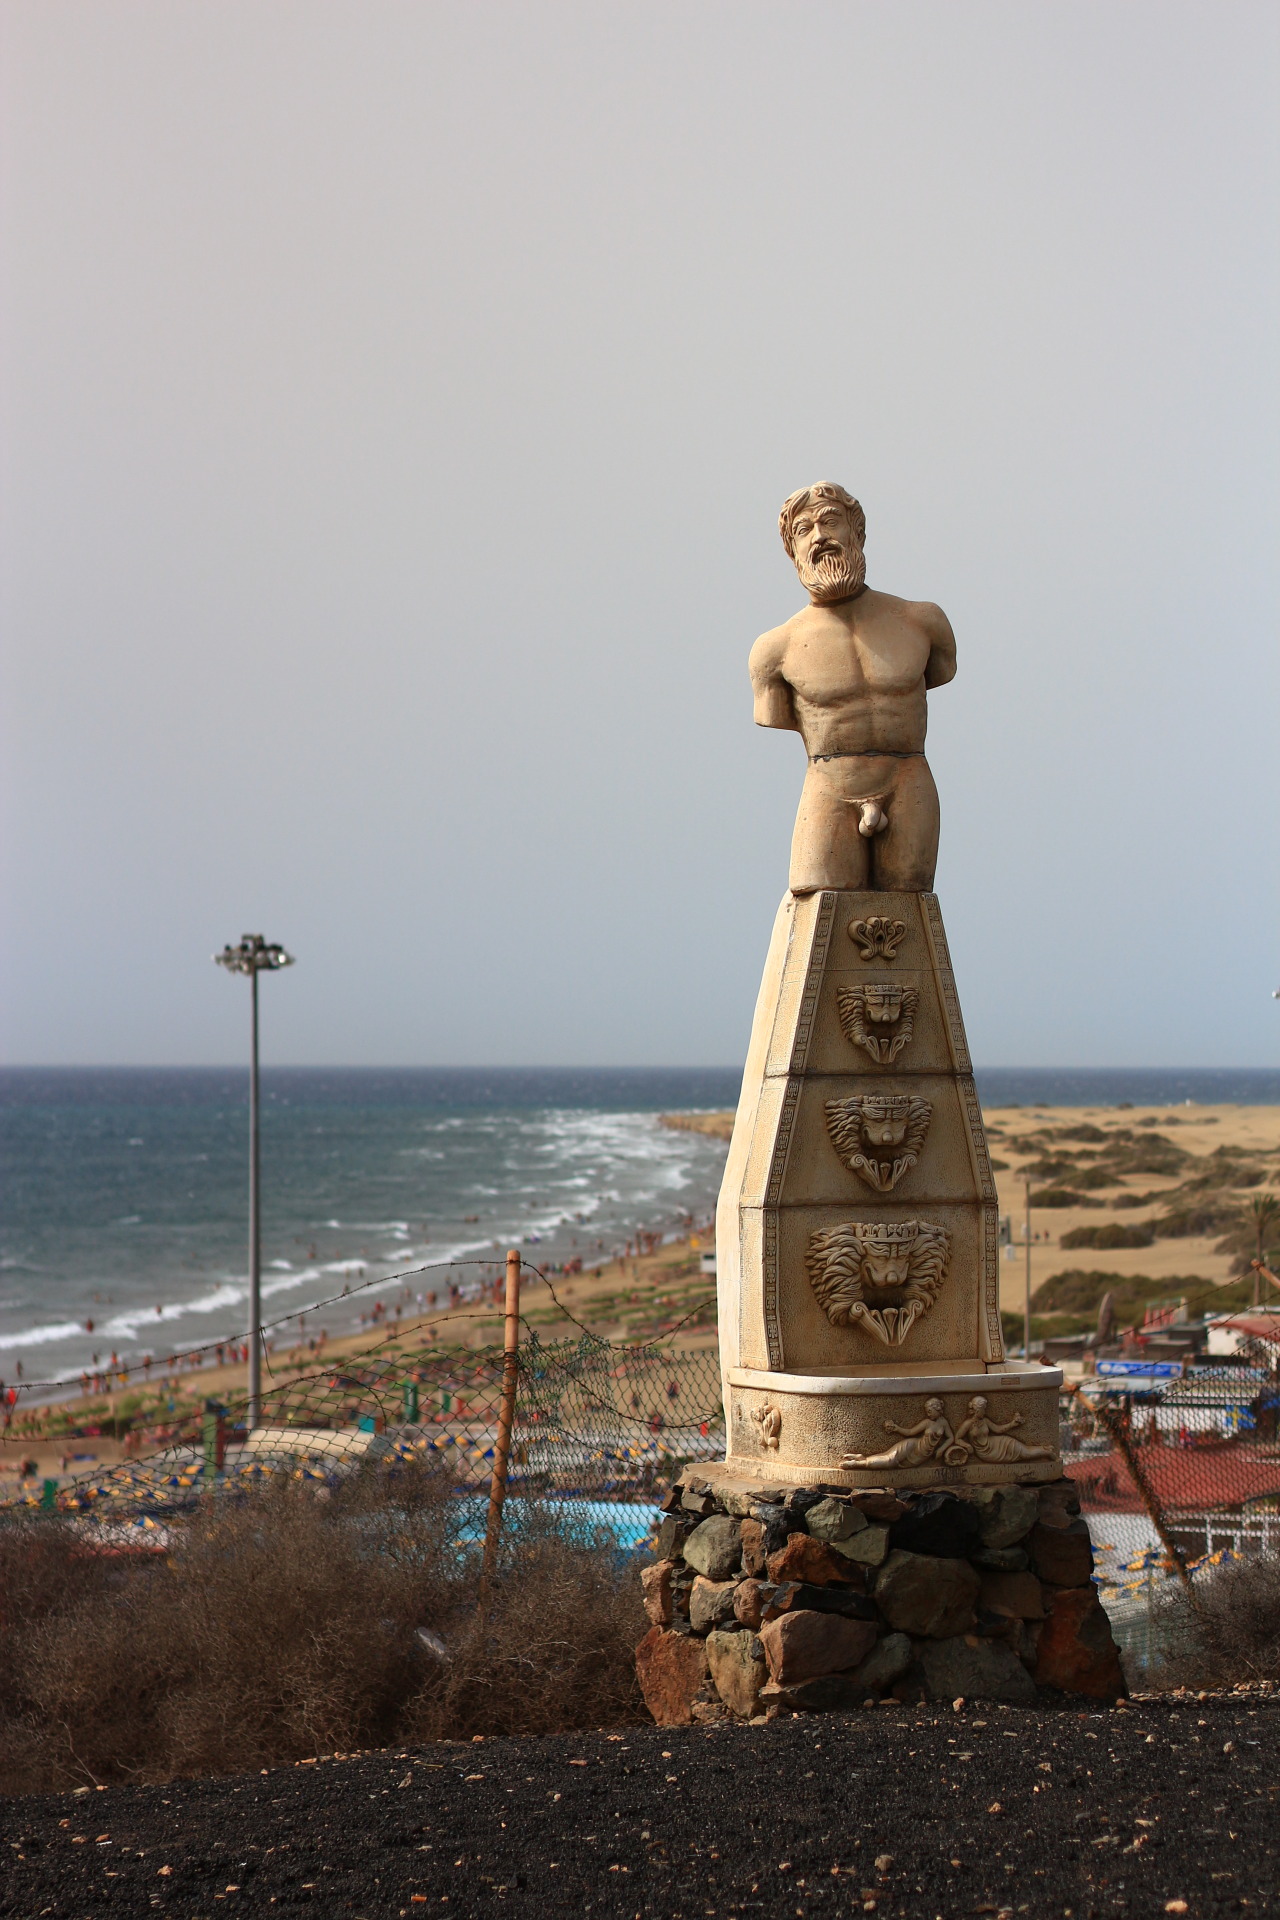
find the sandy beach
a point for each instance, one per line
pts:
(637, 1297)
(1213, 1158)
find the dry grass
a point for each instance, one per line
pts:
(288, 1626)
(1228, 1634)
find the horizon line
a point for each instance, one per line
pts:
(554, 1066)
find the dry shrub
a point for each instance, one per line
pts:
(1229, 1632)
(287, 1625)
(557, 1649)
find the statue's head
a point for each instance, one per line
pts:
(978, 1405)
(824, 529)
(934, 1409)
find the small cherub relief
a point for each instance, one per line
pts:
(878, 1136)
(769, 1421)
(877, 938)
(930, 1439)
(878, 1017)
(988, 1439)
(878, 1275)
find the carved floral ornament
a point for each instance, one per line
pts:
(933, 1440)
(879, 1017)
(881, 1276)
(877, 937)
(879, 1136)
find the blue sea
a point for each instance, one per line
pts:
(124, 1190)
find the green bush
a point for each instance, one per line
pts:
(1080, 1290)
(1061, 1197)
(1154, 1155)
(1045, 1327)
(1052, 1167)
(1189, 1223)
(1111, 1234)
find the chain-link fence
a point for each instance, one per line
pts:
(1174, 1471)
(1194, 1445)
(598, 1428)
(1177, 1476)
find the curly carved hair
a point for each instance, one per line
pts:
(821, 490)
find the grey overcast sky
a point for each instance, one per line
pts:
(397, 403)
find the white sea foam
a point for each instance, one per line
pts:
(559, 1180)
(40, 1336)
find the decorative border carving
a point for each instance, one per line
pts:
(782, 1141)
(769, 1261)
(990, 1290)
(977, 1136)
(815, 969)
(947, 981)
(991, 1338)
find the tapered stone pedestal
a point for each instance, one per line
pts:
(857, 1231)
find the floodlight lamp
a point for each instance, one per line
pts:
(253, 955)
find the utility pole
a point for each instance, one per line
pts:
(1026, 1305)
(253, 956)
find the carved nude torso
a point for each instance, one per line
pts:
(850, 678)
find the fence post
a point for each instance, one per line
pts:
(506, 1417)
(1115, 1425)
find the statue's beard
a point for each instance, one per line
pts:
(834, 576)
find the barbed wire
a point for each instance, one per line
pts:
(635, 1347)
(316, 1306)
(188, 1353)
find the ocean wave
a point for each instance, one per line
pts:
(559, 1180)
(40, 1336)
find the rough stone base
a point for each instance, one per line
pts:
(791, 1598)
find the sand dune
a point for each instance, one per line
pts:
(1220, 1144)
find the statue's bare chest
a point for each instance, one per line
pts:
(830, 660)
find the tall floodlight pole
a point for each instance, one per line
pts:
(1026, 1305)
(253, 956)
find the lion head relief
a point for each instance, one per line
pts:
(879, 1016)
(878, 1275)
(878, 1136)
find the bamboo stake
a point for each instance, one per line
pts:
(506, 1417)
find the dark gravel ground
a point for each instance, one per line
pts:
(919, 1811)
